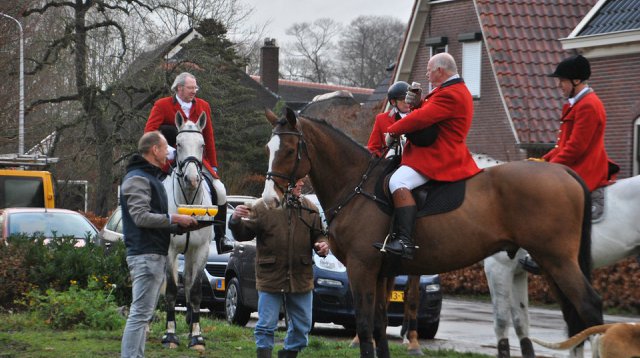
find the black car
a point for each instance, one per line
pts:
(213, 282)
(332, 300)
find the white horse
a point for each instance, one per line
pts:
(186, 185)
(614, 236)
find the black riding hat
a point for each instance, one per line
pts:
(573, 68)
(398, 90)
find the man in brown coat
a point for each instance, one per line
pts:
(285, 237)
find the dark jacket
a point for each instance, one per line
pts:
(283, 245)
(145, 218)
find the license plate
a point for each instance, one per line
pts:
(397, 296)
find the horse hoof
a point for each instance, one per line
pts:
(170, 340)
(504, 351)
(526, 347)
(196, 343)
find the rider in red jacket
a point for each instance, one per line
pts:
(449, 107)
(399, 108)
(163, 117)
(580, 142)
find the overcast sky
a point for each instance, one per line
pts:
(283, 13)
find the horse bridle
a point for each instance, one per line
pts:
(181, 165)
(291, 178)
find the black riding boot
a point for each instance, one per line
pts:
(405, 217)
(263, 353)
(223, 244)
(529, 265)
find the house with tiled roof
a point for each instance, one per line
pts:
(505, 49)
(297, 94)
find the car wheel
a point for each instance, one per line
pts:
(236, 312)
(428, 330)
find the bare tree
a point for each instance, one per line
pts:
(368, 46)
(177, 16)
(313, 48)
(91, 28)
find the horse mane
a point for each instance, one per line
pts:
(344, 136)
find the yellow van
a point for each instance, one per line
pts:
(26, 188)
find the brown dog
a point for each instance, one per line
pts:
(618, 340)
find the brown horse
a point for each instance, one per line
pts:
(541, 207)
(409, 330)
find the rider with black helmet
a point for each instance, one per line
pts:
(580, 141)
(399, 108)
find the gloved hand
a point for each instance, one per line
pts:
(389, 139)
(536, 159)
(414, 97)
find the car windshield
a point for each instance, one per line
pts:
(50, 224)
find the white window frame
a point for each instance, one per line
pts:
(636, 146)
(472, 66)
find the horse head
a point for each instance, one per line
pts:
(288, 157)
(189, 146)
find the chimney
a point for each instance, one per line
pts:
(269, 66)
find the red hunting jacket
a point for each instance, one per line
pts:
(450, 107)
(580, 143)
(164, 112)
(376, 143)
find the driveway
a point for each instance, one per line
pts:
(467, 326)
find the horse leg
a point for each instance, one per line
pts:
(364, 299)
(581, 305)
(520, 311)
(499, 271)
(170, 338)
(193, 291)
(383, 290)
(410, 319)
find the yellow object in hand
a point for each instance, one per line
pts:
(198, 210)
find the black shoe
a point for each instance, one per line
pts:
(398, 248)
(529, 265)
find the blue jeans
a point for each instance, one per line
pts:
(147, 274)
(298, 307)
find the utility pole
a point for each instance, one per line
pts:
(21, 114)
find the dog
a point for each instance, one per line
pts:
(617, 340)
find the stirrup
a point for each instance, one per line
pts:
(529, 265)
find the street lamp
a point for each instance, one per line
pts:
(21, 115)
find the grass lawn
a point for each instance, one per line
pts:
(22, 335)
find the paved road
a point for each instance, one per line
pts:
(467, 326)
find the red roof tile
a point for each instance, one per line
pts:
(522, 37)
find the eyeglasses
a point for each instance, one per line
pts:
(191, 88)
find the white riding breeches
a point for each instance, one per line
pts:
(221, 191)
(406, 177)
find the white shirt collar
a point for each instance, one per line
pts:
(577, 97)
(186, 106)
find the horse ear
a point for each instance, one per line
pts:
(271, 117)
(179, 119)
(291, 117)
(202, 120)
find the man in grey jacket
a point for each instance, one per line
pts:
(147, 227)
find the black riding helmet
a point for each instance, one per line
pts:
(573, 68)
(398, 90)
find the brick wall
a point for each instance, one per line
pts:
(615, 80)
(490, 132)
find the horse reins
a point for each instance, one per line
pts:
(180, 167)
(332, 212)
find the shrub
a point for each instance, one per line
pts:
(92, 307)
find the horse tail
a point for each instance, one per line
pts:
(584, 254)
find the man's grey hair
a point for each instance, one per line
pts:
(180, 80)
(148, 140)
(444, 61)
